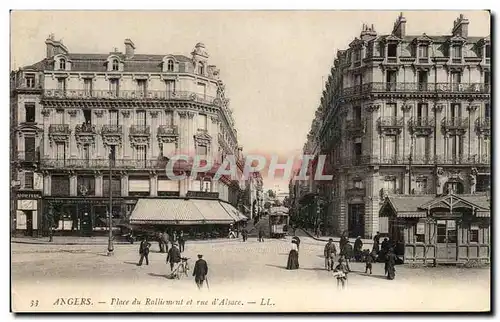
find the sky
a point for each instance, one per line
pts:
(274, 63)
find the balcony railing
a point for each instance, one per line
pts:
(355, 191)
(85, 128)
(128, 95)
(456, 60)
(422, 122)
(140, 130)
(483, 122)
(112, 129)
(392, 60)
(27, 156)
(102, 164)
(455, 122)
(390, 121)
(421, 159)
(423, 60)
(416, 160)
(59, 128)
(168, 130)
(417, 87)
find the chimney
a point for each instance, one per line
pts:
(129, 48)
(55, 47)
(399, 29)
(368, 33)
(461, 27)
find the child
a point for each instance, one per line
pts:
(340, 272)
(368, 261)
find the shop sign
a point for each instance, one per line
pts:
(28, 195)
(450, 225)
(420, 228)
(448, 214)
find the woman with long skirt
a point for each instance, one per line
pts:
(390, 263)
(293, 257)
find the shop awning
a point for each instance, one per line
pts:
(483, 214)
(412, 214)
(180, 212)
(166, 211)
(212, 211)
(233, 212)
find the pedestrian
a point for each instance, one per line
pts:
(261, 235)
(346, 252)
(144, 251)
(173, 256)
(368, 261)
(340, 272)
(384, 249)
(318, 232)
(244, 234)
(390, 263)
(182, 241)
(165, 238)
(376, 243)
(293, 257)
(358, 246)
(330, 253)
(160, 242)
(200, 271)
(297, 241)
(343, 240)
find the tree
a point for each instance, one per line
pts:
(286, 202)
(271, 193)
(267, 205)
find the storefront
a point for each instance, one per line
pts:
(444, 229)
(84, 216)
(27, 213)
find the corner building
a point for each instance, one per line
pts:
(73, 113)
(403, 115)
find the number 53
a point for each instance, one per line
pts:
(34, 303)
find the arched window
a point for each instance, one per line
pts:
(115, 65)
(62, 64)
(170, 65)
(201, 69)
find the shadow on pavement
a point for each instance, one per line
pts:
(368, 275)
(131, 263)
(157, 275)
(314, 269)
(277, 266)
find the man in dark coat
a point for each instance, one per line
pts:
(160, 242)
(376, 243)
(200, 271)
(390, 262)
(244, 234)
(144, 251)
(182, 241)
(173, 256)
(358, 246)
(346, 253)
(261, 234)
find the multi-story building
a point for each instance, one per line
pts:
(403, 114)
(88, 126)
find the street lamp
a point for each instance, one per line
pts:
(110, 212)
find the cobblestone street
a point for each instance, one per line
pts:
(238, 271)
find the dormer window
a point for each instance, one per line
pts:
(170, 65)
(423, 51)
(115, 66)
(357, 55)
(30, 80)
(201, 69)
(62, 64)
(456, 54)
(392, 50)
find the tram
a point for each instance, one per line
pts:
(278, 222)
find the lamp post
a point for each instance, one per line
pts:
(110, 212)
(410, 159)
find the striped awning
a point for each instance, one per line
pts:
(179, 212)
(233, 212)
(212, 211)
(412, 214)
(482, 214)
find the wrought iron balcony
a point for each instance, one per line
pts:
(392, 60)
(390, 121)
(127, 95)
(120, 164)
(167, 130)
(421, 159)
(401, 87)
(422, 122)
(85, 128)
(140, 130)
(355, 126)
(455, 122)
(356, 191)
(112, 129)
(59, 128)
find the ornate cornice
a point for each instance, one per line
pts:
(99, 113)
(372, 108)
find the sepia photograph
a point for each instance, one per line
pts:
(215, 161)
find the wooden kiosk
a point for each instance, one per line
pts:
(439, 229)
